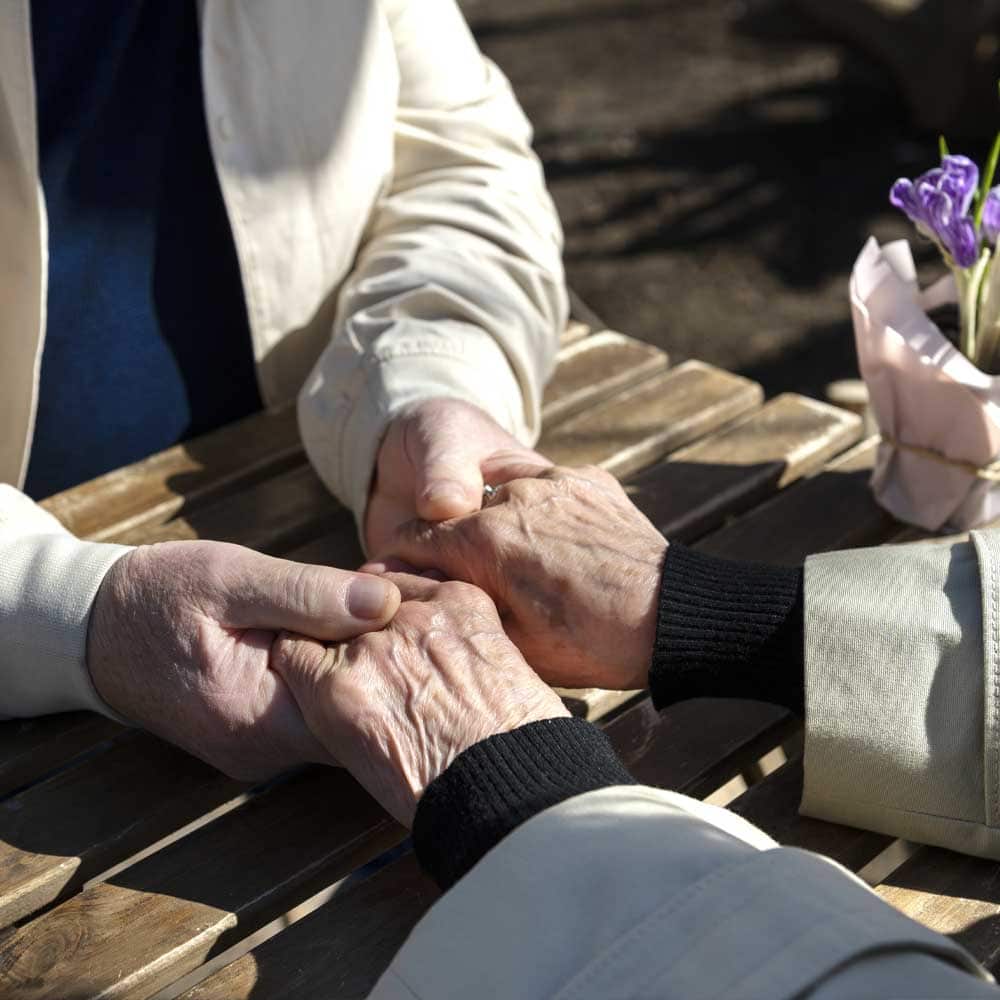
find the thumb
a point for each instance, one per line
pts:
(318, 601)
(447, 481)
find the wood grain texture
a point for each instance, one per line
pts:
(733, 470)
(954, 894)
(164, 916)
(183, 477)
(595, 368)
(643, 423)
(58, 833)
(31, 748)
(833, 509)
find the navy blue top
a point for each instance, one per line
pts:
(147, 337)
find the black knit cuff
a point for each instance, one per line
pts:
(500, 782)
(728, 630)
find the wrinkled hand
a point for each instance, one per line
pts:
(396, 707)
(432, 464)
(181, 643)
(573, 566)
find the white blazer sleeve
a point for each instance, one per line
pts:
(48, 582)
(458, 289)
(902, 692)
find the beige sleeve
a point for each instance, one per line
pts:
(48, 582)
(638, 892)
(458, 289)
(901, 732)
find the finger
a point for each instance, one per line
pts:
(319, 601)
(427, 546)
(380, 567)
(447, 478)
(415, 588)
(504, 466)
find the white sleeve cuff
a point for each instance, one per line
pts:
(342, 430)
(48, 582)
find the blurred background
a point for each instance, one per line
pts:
(718, 164)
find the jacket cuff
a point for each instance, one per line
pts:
(898, 739)
(342, 430)
(48, 582)
(728, 630)
(499, 783)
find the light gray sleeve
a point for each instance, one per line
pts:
(895, 678)
(913, 975)
(638, 892)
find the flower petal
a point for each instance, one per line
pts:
(991, 216)
(959, 180)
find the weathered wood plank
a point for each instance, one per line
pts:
(183, 477)
(164, 916)
(727, 473)
(773, 805)
(643, 423)
(954, 894)
(272, 515)
(595, 368)
(291, 508)
(338, 951)
(57, 834)
(839, 495)
(30, 748)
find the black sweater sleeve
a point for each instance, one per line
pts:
(728, 630)
(724, 629)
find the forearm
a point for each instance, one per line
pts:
(457, 290)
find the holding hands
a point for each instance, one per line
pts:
(432, 463)
(396, 707)
(182, 642)
(572, 564)
(257, 664)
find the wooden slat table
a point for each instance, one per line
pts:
(126, 866)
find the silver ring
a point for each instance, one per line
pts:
(489, 492)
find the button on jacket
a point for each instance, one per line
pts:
(395, 243)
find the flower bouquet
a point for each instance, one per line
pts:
(929, 356)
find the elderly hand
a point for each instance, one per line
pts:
(573, 566)
(181, 643)
(396, 707)
(431, 465)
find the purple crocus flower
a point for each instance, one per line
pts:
(991, 216)
(939, 201)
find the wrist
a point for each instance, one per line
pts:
(646, 588)
(501, 782)
(47, 615)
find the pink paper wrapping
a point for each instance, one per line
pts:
(923, 392)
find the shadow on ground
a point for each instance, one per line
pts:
(717, 166)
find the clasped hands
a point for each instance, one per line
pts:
(452, 634)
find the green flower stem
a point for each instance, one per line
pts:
(969, 281)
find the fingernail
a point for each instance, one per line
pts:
(367, 597)
(446, 491)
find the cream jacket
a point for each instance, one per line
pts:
(634, 893)
(903, 691)
(395, 240)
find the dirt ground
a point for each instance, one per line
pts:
(718, 165)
